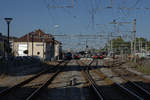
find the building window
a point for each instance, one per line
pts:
(38, 53)
(39, 44)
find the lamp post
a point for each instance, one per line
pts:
(8, 20)
(55, 26)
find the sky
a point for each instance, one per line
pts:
(85, 17)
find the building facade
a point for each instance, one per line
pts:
(58, 50)
(37, 44)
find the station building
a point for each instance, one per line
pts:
(4, 46)
(38, 44)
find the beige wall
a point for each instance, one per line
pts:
(15, 47)
(56, 50)
(38, 47)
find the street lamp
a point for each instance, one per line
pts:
(55, 26)
(8, 20)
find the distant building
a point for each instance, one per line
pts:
(38, 44)
(58, 50)
(4, 46)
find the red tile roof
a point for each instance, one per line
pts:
(38, 36)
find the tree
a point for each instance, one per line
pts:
(119, 44)
(148, 45)
(141, 42)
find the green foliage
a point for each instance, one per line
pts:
(119, 44)
(148, 46)
(144, 69)
(142, 40)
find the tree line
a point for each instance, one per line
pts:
(120, 45)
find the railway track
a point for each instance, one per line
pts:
(120, 90)
(99, 91)
(89, 78)
(133, 85)
(30, 88)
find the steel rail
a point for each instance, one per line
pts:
(119, 86)
(143, 93)
(122, 88)
(140, 90)
(98, 92)
(94, 86)
(128, 92)
(125, 90)
(139, 87)
(49, 80)
(7, 90)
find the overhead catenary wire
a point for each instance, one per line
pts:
(94, 8)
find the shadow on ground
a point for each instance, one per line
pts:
(36, 67)
(69, 93)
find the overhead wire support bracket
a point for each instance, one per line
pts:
(62, 6)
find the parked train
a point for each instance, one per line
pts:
(68, 56)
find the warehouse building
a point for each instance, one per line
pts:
(37, 44)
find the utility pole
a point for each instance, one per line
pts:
(72, 3)
(32, 43)
(28, 44)
(108, 45)
(111, 43)
(134, 34)
(132, 46)
(139, 45)
(43, 48)
(111, 3)
(146, 46)
(86, 49)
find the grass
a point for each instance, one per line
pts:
(141, 65)
(144, 68)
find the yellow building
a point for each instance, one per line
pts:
(38, 44)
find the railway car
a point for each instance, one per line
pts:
(68, 56)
